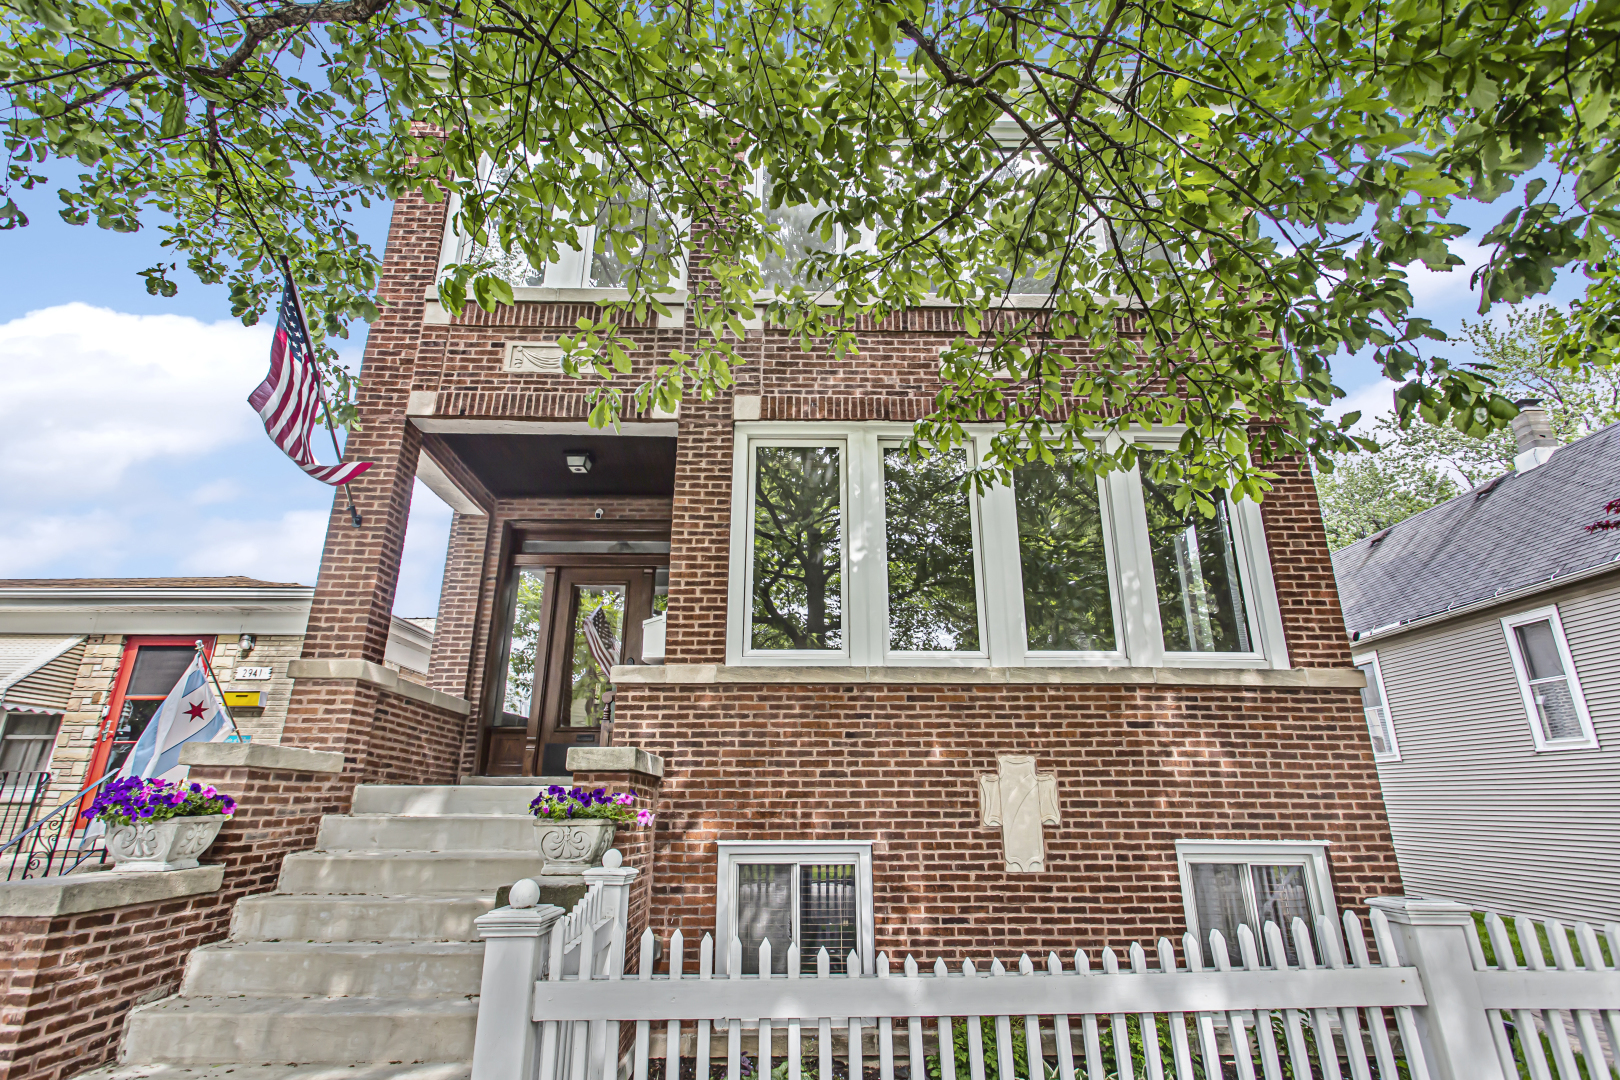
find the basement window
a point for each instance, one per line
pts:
(818, 895)
(1227, 884)
(1548, 683)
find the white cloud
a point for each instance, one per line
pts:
(1372, 400)
(287, 548)
(1435, 292)
(90, 393)
(29, 543)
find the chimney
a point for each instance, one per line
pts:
(1533, 430)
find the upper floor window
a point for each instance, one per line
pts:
(1375, 704)
(1548, 682)
(847, 550)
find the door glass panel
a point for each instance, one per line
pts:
(826, 915)
(764, 911)
(933, 589)
(131, 722)
(597, 638)
(798, 588)
(1195, 568)
(1067, 603)
(1279, 893)
(520, 656)
(158, 668)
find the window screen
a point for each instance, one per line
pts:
(1549, 683)
(765, 911)
(826, 915)
(812, 903)
(1372, 703)
(158, 668)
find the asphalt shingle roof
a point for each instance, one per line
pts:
(1506, 534)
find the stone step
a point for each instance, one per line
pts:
(447, 832)
(399, 873)
(518, 781)
(203, 1030)
(279, 917)
(459, 1070)
(431, 801)
(346, 969)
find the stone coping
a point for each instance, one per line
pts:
(713, 674)
(630, 759)
(378, 675)
(42, 898)
(254, 755)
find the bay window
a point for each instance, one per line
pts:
(847, 550)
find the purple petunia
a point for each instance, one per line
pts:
(131, 798)
(568, 804)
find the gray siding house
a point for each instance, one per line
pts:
(1489, 631)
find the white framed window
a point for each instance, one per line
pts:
(846, 551)
(1375, 704)
(26, 740)
(1548, 682)
(815, 894)
(607, 247)
(1226, 884)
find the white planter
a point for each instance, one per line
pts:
(162, 845)
(569, 847)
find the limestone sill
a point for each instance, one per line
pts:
(737, 674)
(103, 889)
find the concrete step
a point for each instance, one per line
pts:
(346, 969)
(279, 917)
(401, 873)
(448, 832)
(283, 1071)
(204, 1030)
(518, 781)
(446, 799)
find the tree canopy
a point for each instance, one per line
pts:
(1198, 204)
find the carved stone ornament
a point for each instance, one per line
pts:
(569, 847)
(162, 845)
(544, 357)
(1021, 801)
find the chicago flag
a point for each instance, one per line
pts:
(191, 713)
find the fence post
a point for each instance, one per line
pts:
(1432, 936)
(515, 944)
(614, 879)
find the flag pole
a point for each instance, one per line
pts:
(220, 693)
(320, 387)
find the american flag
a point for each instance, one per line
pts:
(603, 643)
(289, 399)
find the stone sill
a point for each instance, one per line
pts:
(386, 678)
(254, 755)
(98, 890)
(741, 675)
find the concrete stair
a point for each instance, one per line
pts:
(364, 962)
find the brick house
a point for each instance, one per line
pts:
(870, 712)
(84, 663)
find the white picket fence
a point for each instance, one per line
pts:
(1432, 1008)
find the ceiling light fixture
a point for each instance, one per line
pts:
(579, 461)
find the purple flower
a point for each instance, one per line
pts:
(644, 817)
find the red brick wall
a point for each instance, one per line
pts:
(71, 980)
(700, 537)
(1307, 593)
(1137, 769)
(384, 737)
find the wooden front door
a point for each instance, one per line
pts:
(569, 625)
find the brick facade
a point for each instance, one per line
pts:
(1138, 766)
(71, 980)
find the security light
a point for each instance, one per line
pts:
(579, 461)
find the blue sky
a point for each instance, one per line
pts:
(130, 449)
(129, 446)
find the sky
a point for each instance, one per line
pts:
(128, 445)
(129, 448)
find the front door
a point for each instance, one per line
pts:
(569, 626)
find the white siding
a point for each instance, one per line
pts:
(1477, 814)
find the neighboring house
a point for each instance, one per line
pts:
(890, 715)
(1489, 630)
(84, 663)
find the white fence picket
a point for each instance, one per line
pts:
(1270, 1063)
(1327, 1051)
(1060, 1027)
(1088, 1026)
(1585, 1028)
(1179, 1050)
(1208, 1049)
(1327, 940)
(1524, 1020)
(763, 1048)
(885, 1029)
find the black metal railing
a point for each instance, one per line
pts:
(22, 794)
(47, 843)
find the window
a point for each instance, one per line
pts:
(26, 739)
(1226, 884)
(627, 228)
(1548, 683)
(1374, 702)
(528, 609)
(846, 550)
(818, 895)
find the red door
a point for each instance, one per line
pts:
(150, 668)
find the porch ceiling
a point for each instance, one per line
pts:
(527, 466)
